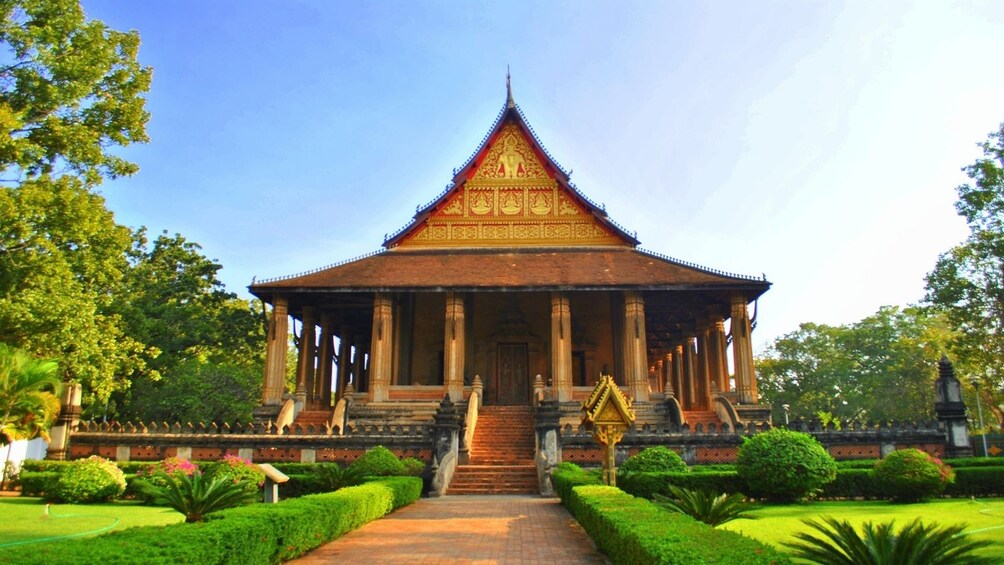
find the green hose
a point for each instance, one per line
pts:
(51, 514)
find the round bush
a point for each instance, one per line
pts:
(784, 466)
(657, 459)
(94, 479)
(240, 470)
(378, 462)
(413, 467)
(910, 475)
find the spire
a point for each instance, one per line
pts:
(509, 102)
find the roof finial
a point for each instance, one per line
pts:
(509, 102)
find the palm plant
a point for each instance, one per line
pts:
(333, 477)
(197, 495)
(29, 403)
(712, 509)
(878, 544)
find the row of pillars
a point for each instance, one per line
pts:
(687, 371)
(314, 370)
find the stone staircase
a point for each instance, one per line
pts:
(501, 457)
(316, 418)
(702, 417)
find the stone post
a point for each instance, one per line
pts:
(381, 347)
(66, 423)
(704, 366)
(678, 382)
(548, 427)
(445, 446)
(742, 351)
(561, 346)
(276, 346)
(344, 360)
(670, 388)
(951, 411)
(635, 347)
(453, 346)
(689, 375)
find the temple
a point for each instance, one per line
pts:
(515, 284)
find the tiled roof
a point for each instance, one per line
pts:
(524, 268)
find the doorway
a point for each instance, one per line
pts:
(512, 380)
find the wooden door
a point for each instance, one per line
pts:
(512, 375)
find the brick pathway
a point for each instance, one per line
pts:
(466, 529)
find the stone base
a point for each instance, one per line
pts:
(265, 413)
(754, 413)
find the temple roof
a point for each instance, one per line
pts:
(582, 268)
(510, 193)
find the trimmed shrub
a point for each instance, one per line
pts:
(910, 475)
(704, 506)
(413, 467)
(632, 530)
(239, 470)
(37, 483)
(784, 466)
(94, 479)
(658, 459)
(249, 535)
(851, 484)
(568, 475)
(194, 495)
(646, 485)
(974, 481)
(378, 462)
(333, 477)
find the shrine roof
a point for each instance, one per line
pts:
(584, 268)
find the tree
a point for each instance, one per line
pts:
(71, 92)
(210, 343)
(967, 282)
(880, 368)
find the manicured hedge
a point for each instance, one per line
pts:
(851, 484)
(975, 462)
(977, 481)
(568, 475)
(36, 483)
(248, 535)
(633, 530)
(647, 484)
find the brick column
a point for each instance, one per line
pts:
(381, 347)
(453, 347)
(678, 379)
(689, 374)
(276, 346)
(670, 386)
(742, 351)
(635, 346)
(561, 346)
(704, 365)
(323, 389)
(718, 362)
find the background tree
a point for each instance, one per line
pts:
(70, 92)
(967, 282)
(209, 342)
(880, 368)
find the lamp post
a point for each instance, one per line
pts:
(979, 409)
(786, 408)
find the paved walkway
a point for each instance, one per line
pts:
(466, 529)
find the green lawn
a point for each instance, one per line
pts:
(24, 519)
(776, 524)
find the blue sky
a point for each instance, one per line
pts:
(817, 142)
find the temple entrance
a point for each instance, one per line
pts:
(512, 376)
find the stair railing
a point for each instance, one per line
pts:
(471, 419)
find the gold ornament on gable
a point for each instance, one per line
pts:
(510, 157)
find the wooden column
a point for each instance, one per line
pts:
(561, 346)
(276, 346)
(635, 346)
(308, 352)
(704, 365)
(381, 347)
(344, 360)
(323, 389)
(742, 352)
(718, 362)
(454, 347)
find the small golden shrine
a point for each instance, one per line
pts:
(609, 414)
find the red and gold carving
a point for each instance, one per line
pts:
(510, 157)
(566, 207)
(455, 206)
(540, 202)
(510, 202)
